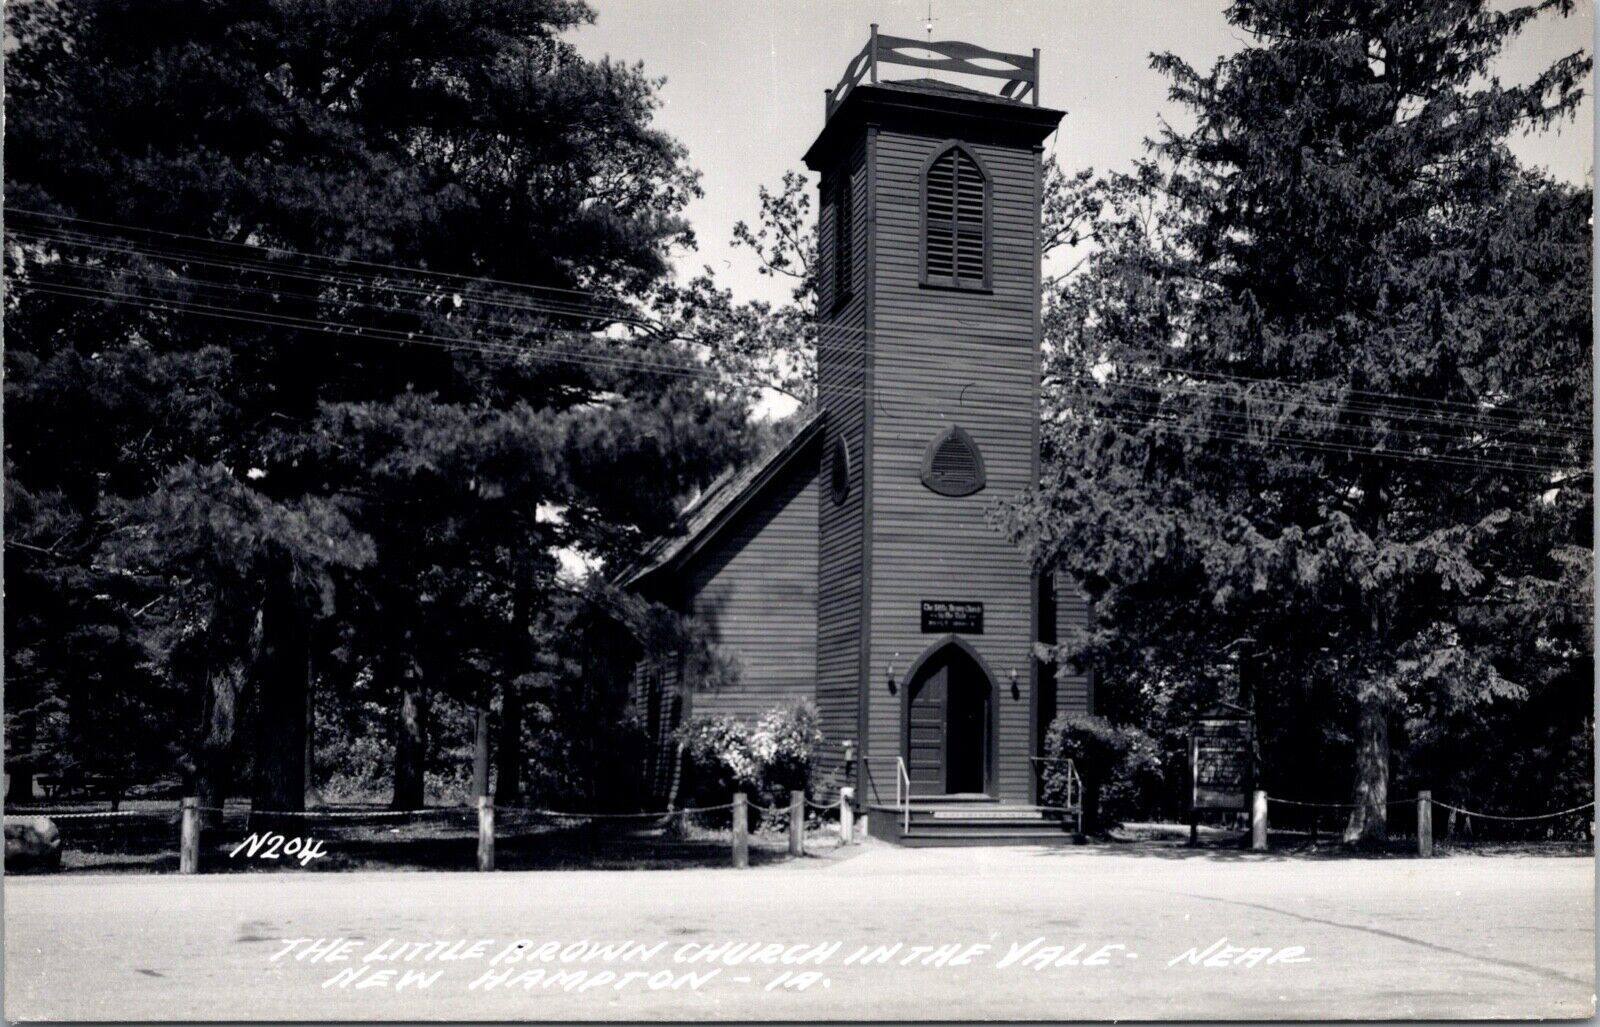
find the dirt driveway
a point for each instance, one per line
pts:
(886, 933)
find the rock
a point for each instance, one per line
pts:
(33, 845)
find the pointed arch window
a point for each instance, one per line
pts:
(952, 465)
(955, 220)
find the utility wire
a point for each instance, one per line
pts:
(1472, 408)
(1107, 384)
(506, 350)
(1228, 418)
(623, 313)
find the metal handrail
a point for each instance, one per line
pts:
(902, 786)
(900, 765)
(1074, 798)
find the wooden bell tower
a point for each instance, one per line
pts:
(928, 368)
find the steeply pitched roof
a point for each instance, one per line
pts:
(701, 520)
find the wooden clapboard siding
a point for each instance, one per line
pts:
(948, 357)
(1065, 690)
(1073, 692)
(754, 589)
(842, 383)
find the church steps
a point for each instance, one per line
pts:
(966, 821)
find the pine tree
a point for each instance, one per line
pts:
(1319, 402)
(158, 379)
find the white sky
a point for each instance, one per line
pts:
(745, 80)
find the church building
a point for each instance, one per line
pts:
(857, 565)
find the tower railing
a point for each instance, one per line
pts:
(1020, 71)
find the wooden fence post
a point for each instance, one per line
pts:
(480, 753)
(797, 822)
(1425, 822)
(485, 833)
(1258, 820)
(847, 816)
(741, 831)
(189, 837)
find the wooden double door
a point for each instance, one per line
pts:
(947, 725)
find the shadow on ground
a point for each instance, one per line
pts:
(1289, 845)
(146, 841)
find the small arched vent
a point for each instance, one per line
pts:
(839, 471)
(952, 465)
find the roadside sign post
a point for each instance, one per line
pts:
(1221, 747)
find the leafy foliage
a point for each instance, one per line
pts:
(1318, 404)
(387, 434)
(765, 759)
(1120, 766)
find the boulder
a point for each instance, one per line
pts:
(33, 844)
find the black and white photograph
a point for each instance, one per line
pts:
(798, 510)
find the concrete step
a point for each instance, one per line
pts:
(969, 823)
(922, 840)
(1001, 815)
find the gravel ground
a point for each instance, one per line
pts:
(1506, 936)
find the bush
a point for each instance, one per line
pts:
(1120, 766)
(765, 760)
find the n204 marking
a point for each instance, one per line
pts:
(271, 845)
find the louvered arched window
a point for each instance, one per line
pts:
(955, 238)
(952, 465)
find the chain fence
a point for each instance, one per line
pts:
(1425, 824)
(156, 836)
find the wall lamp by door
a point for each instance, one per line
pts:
(893, 683)
(1016, 693)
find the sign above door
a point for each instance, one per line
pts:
(940, 616)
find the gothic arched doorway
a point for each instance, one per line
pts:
(947, 722)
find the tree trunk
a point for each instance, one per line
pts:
(411, 739)
(1369, 821)
(314, 799)
(508, 757)
(213, 767)
(1090, 801)
(508, 754)
(19, 787)
(283, 673)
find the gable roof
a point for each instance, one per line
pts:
(701, 521)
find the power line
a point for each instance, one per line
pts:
(1240, 420)
(209, 241)
(626, 314)
(1328, 446)
(347, 279)
(1447, 420)
(506, 350)
(1480, 419)
(1360, 409)
(1407, 416)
